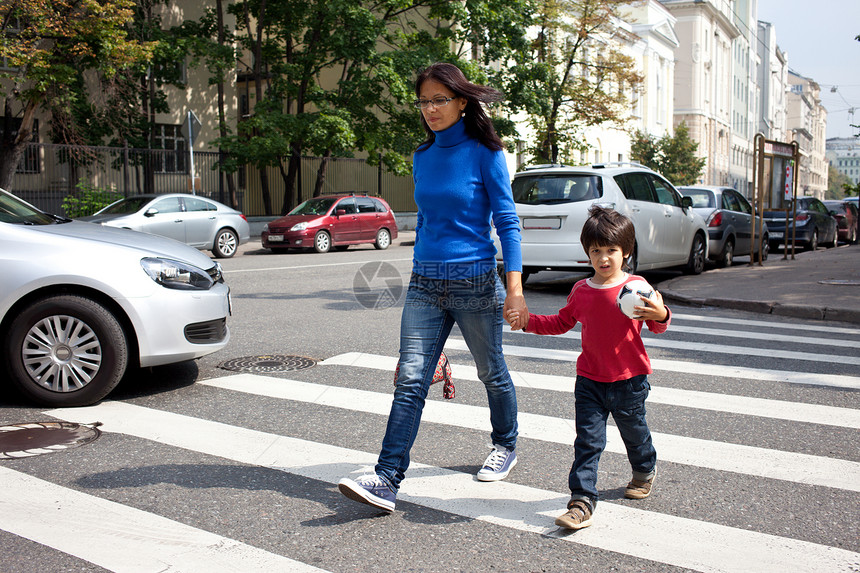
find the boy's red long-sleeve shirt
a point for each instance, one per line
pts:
(612, 347)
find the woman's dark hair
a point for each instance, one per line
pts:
(478, 124)
(606, 227)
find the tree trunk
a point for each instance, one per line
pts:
(222, 116)
(13, 148)
(321, 172)
(292, 175)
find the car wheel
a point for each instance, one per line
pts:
(725, 260)
(765, 250)
(226, 243)
(66, 351)
(633, 261)
(832, 244)
(813, 241)
(383, 239)
(322, 242)
(696, 262)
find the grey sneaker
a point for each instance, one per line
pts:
(370, 489)
(498, 464)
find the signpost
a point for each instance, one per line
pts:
(190, 129)
(775, 184)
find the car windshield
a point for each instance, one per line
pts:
(317, 206)
(551, 189)
(700, 197)
(14, 210)
(126, 206)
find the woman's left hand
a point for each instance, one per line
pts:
(515, 312)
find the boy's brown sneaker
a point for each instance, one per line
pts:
(578, 516)
(639, 489)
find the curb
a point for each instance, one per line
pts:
(774, 308)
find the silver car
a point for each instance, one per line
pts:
(552, 203)
(728, 215)
(196, 221)
(79, 303)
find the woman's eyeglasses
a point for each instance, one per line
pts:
(436, 101)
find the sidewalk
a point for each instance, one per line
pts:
(824, 284)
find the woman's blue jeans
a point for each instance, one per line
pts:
(625, 400)
(431, 309)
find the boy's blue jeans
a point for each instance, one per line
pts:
(625, 400)
(431, 309)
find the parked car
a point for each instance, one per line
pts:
(552, 203)
(80, 303)
(190, 219)
(728, 216)
(812, 225)
(332, 221)
(845, 213)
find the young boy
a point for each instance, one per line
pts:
(612, 370)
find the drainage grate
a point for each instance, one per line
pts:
(25, 440)
(269, 363)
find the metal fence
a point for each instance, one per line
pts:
(49, 172)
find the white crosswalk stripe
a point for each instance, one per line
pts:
(125, 538)
(683, 542)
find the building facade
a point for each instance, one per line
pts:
(806, 121)
(843, 153)
(703, 80)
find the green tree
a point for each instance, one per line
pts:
(333, 77)
(836, 182)
(674, 156)
(52, 50)
(572, 75)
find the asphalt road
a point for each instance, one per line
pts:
(756, 421)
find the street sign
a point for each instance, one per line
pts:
(190, 128)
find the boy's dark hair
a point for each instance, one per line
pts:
(605, 227)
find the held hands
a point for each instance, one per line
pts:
(652, 309)
(517, 316)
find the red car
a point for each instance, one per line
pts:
(846, 219)
(333, 221)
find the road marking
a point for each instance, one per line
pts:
(765, 336)
(300, 267)
(685, 367)
(721, 348)
(788, 325)
(721, 456)
(122, 538)
(659, 537)
(764, 408)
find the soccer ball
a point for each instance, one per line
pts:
(631, 294)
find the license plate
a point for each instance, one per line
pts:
(547, 223)
(775, 235)
(276, 238)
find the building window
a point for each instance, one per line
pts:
(169, 139)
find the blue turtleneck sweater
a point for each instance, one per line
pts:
(459, 185)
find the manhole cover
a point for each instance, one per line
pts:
(25, 440)
(847, 282)
(272, 363)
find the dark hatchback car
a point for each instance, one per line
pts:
(728, 215)
(812, 226)
(846, 219)
(332, 221)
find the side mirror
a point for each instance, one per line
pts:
(686, 202)
(151, 212)
(339, 212)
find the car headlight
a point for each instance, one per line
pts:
(299, 226)
(266, 228)
(175, 274)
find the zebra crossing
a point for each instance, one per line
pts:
(126, 538)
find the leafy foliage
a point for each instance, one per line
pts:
(88, 199)
(570, 77)
(674, 156)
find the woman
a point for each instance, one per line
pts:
(461, 181)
